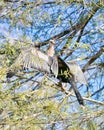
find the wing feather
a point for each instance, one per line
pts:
(35, 59)
(54, 66)
(77, 72)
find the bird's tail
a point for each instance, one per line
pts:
(77, 93)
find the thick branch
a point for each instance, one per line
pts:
(93, 58)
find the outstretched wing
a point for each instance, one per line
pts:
(33, 58)
(77, 72)
(36, 59)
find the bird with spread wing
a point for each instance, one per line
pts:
(49, 63)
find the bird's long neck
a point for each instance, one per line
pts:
(51, 50)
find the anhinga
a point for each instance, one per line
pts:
(68, 72)
(50, 64)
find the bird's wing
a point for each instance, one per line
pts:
(36, 59)
(77, 72)
(33, 58)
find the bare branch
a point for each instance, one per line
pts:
(74, 29)
(97, 91)
(93, 58)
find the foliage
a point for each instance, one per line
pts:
(31, 100)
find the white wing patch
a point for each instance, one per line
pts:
(77, 72)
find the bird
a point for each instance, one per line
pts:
(68, 72)
(75, 69)
(47, 63)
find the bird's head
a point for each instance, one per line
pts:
(52, 42)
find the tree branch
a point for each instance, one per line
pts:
(74, 29)
(93, 58)
(97, 91)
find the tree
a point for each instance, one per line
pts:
(33, 100)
